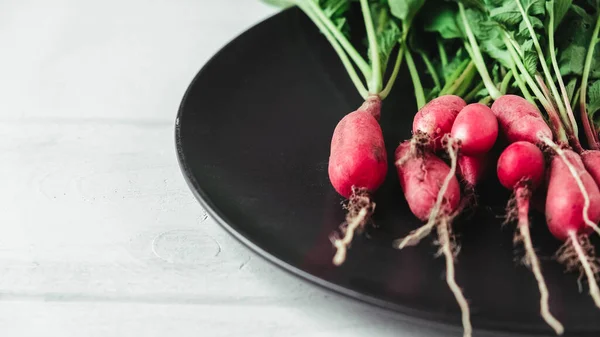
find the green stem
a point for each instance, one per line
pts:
(442, 51)
(477, 57)
(456, 74)
(431, 69)
(414, 74)
(520, 83)
(468, 72)
(506, 82)
(547, 73)
(486, 100)
(536, 90)
(343, 41)
(466, 83)
(377, 73)
(339, 50)
(469, 97)
(584, 86)
(561, 84)
(553, 116)
(390, 83)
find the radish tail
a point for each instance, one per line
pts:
(522, 195)
(589, 268)
(417, 235)
(446, 247)
(360, 207)
(573, 171)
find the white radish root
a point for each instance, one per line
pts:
(577, 254)
(522, 196)
(447, 249)
(360, 207)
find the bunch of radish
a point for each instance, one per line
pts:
(497, 74)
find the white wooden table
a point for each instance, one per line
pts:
(100, 235)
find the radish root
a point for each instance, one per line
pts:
(414, 237)
(360, 207)
(522, 195)
(419, 144)
(447, 248)
(578, 253)
(586, 197)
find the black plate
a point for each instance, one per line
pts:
(253, 135)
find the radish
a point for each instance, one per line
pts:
(357, 167)
(591, 161)
(475, 129)
(521, 169)
(358, 158)
(519, 119)
(472, 169)
(434, 120)
(433, 194)
(421, 178)
(572, 210)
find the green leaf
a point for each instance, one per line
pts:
(387, 31)
(572, 42)
(458, 61)
(443, 20)
(489, 35)
(570, 88)
(405, 10)
(336, 11)
(280, 3)
(561, 7)
(593, 105)
(474, 4)
(530, 61)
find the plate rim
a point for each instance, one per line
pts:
(400, 311)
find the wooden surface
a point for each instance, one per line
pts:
(100, 235)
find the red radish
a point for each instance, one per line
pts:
(357, 167)
(519, 119)
(473, 134)
(572, 210)
(433, 194)
(471, 169)
(434, 120)
(358, 156)
(476, 129)
(565, 201)
(591, 161)
(421, 178)
(521, 169)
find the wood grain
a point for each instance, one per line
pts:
(100, 234)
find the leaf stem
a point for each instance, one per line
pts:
(559, 130)
(431, 69)
(561, 84)
(519, 79)
(459, 70)
(469, 97)
(390, 83)
(343, 41)
(414, 74)
(506, 82)
(547, 73)
(477, 57)
(339, 50)
(589, 130)
(468, 72)
(442, 51)
(536, 90)
(377, 73)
